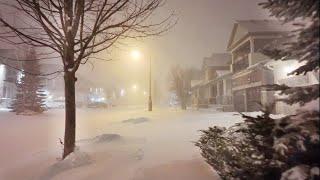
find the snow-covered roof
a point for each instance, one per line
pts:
(217, 59)
(200, 84)
(243, 28)
(253, 26)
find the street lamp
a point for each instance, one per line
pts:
(135, 87)
(137, 55)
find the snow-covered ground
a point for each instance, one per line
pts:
(117, 144)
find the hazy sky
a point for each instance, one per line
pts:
(204, 27)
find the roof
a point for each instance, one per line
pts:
(253, 26)
(195, 82)
(217, 59)
(249, 27)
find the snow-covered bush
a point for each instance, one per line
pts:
(264, 148)
(243, 151)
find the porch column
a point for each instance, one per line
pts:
(245, 101)
(232, 62)
(218, 93)
(224, 87)
(252, 49)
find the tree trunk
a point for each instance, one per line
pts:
(70, 114)
(183, 102)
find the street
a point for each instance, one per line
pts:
(119, 143)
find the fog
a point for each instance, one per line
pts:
(203, 27)
(194, 37)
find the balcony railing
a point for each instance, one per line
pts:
(254, 76)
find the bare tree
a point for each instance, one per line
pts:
(76, 30)
(179, 83)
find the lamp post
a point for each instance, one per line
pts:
(150, 97)
(136, 55)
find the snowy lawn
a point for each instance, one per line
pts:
(116, 144)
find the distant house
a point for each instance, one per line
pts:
(215, 88)
(54, 84)
(8, 76)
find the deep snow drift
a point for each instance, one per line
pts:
(116, 144)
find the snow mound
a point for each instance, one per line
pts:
(28, 113)
(136, 120)
(107, 138)
(73, 160)
(76, 159)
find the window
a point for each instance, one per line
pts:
(4, 92)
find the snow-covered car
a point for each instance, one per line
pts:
(97, 105)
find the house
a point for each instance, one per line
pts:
(216, 85)
(55, 88)
(249, 72)
(8, 76)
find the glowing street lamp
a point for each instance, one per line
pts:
(135, 87)
(137, 55)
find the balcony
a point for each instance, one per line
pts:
(240, 63)
(255, 58)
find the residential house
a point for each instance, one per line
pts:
(251, 70)
(215, 88)
(8, 76)
(249, 74)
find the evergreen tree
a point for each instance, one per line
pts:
(302, 44)
(286, 148)
(30, 96)
(297, 137)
